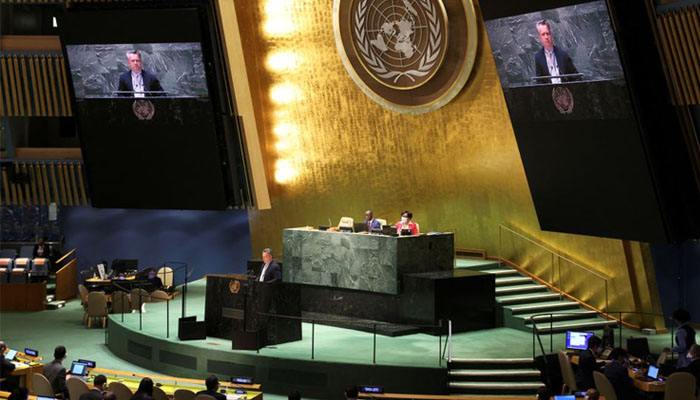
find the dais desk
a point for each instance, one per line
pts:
(373, 263)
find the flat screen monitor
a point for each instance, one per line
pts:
(120, 266)
(638, 347)
(78, 369)
(89, 363)
(577, 340)
(31, 352)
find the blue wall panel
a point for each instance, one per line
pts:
(677, 269)
(211, 242)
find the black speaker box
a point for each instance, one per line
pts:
(190, 329)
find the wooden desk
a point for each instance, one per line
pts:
(651, 387)
(170, 384)
(25, 371)
(22, 296)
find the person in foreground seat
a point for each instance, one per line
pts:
(587, 364)
(100, 384)
(55, 372)
(294, 396)
(543, 393)
(618, 375)
(145, 391)
(212, 383)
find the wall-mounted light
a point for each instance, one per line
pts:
(284, 93)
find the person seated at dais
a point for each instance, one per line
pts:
(212, 383)
(154, 281)
(406, 223)
(372, 223)
(618, 375)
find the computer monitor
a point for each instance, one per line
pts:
(388, 230)
(566, 397)
(78, 369)
(123, 266)
(406, 232)
(359, 227)
(577, 340)
(31, 352)
(638, 347)
(10, 355)
(44, 398)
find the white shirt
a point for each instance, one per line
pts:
(137, 83)
(262, 273)
(552, 66)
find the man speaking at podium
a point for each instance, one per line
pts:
(137, 81)
(551, 60)
(270, 271)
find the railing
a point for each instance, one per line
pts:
(557, 282)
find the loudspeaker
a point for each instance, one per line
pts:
(248, 340)
(190, 329)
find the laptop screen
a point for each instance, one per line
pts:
(653, 372)
(10, 355)
(78, 369)
(568, 397)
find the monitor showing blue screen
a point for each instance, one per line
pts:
(10, 355)
(577, 340)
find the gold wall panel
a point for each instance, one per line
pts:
(457, 168)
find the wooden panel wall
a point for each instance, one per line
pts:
(33, 85)
(679, 31)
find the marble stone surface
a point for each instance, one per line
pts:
(226, 312)
(179, 67)
(372, 263)
(583, 31)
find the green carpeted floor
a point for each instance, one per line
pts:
(44, 330)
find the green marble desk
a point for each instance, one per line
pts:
(373, 263)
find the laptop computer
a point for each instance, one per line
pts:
(78, 369)
(10, 355)
(652, 374)
(388, 230)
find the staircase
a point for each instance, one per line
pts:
(503, 376)
(519, 298)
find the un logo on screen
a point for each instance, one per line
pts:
(401, 43)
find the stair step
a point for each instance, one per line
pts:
(513, 289)
(579, 325)
(527, 298)
(501, 272)
(490, 363)
(558, 316)
(477, 265)
(495, 387)
(516, 280)
(543, 307)
(494, 372)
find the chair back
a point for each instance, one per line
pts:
(40, 266)
(602, 383)
(76, 387)
(184, 394)
(82, 289)
(159, 296)
(204, 397)
(680, 386)
(166, 275)
(8, 253)
(346, 223)
(42, 386)
(159, 394)
(138, 297)
(382, 221)
(567, 373)
(120, 390)
(97, 304)
(417, 226)
(120, 302)
(26, 251)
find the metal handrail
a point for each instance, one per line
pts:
(605, 278)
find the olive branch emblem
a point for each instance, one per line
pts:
(427, 60)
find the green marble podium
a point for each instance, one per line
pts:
(373, 263)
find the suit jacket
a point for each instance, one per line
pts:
(273, 273)
(564, 63)
(56, 374)
(92, 394)
(373, 225)
(584, 374)
(150, 83)
(216, 395)
(619, 377)
(6, 367)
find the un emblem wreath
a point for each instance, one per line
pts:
(398, 52)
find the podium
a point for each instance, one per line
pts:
(252, 314)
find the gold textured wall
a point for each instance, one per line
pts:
(330, 152)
